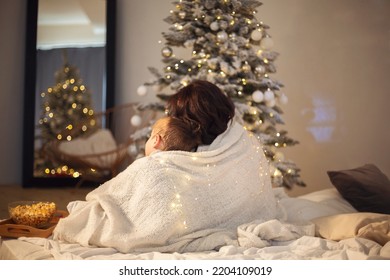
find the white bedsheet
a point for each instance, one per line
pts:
(304, 248)
(298, 247)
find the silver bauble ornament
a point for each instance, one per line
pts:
(266, 43)
(142, 90)
(260, 69)
(132, 150)
(214, 26)
(258, 96)
(270, 103)
(283, 99)
(256, 35)
(269, 95)
(222, 36)
(136, 120)
(166, 52)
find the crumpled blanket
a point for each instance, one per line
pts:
(260, 235)
(251, 238)
(177, 201)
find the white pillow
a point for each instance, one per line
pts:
(368, 225)
(313, 205)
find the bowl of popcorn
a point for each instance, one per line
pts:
(31, 213)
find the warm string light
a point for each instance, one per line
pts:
(62, 170)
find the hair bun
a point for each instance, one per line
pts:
(196, 129)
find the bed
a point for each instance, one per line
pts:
(341, 233)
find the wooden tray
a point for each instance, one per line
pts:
(9, 229)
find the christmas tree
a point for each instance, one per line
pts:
(230, 47)
(66, 112)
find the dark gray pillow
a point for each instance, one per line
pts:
(366, 188)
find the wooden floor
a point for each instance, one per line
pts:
(61, 196)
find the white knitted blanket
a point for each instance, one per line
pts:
(179, 201)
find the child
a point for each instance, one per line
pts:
(169, 134)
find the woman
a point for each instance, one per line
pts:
(204, 103)
(178, 201)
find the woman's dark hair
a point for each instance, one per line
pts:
(204, 103)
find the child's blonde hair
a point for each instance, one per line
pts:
(177, 134)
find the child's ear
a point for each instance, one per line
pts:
(157, 141)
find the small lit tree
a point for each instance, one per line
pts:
(66, 112)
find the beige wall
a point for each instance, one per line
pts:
(334, 61)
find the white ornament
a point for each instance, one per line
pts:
(136, 120)
(222, 36)
(266, 43)
(132, 150)
(269, 95)
(283, 99)
(260, 69)
(258, 96)
(270, 103)
(256, 35)
(142, 90)
(214, 26)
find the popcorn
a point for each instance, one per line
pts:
(35, 214)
